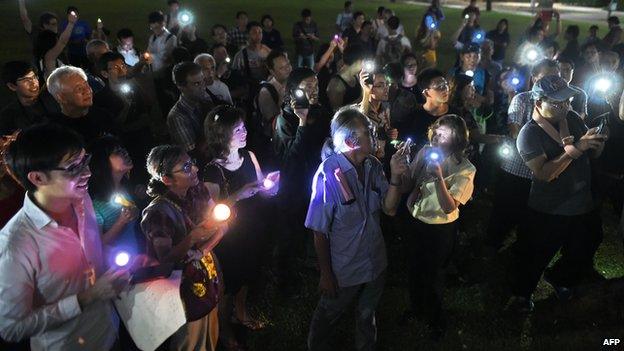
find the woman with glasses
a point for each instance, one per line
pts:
(179, 231)
(441, 179)
(375, 106)
(234, 176)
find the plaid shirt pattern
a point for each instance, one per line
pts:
(237, 37)
(519, 112)
(185, 123)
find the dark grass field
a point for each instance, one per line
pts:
(474, 302)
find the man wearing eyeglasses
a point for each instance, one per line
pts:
(32, 106)
(68, 85)
(186, 118)
(54, 284)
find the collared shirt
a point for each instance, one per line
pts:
(358, 251)
(459, 179)
(131, 57)
(160, 48)
(519, 112)
(185, 122)
(237, 37)
(221, 91)
(43, 266)
(344, 19)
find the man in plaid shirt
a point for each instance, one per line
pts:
(237, 36)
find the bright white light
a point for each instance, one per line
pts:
(515, 81)
(99, 20)
(466, 16)
(434, 156)
(125, 88)
(532, 55)
(221, 212)
(479, 36)
(432, 25)
(603, 85)
(122, 258)
(336, 37)
(227, 59)
(73, 13)
(299, 93)
(369, 66)
(469, 73)
(185, 18)
(268, 183)
(505, 150)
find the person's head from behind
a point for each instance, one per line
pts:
(566, 67)
(303, 79)
(435, 87)
(171, 170)
(535, 35)
(613, 21)
(609, 61)
(110, 165)
(254, 29)
(219, 52)
(242, 19)
(409, 62)
(351, 132)
(348, 6)
(50, 162)
(207, 64)
(545, 67)
(112, 67)
(306, 16)
(267, 22)
(367, 29)
(380, 11)
(219, 34)
(353, 56)
(95, 49)
(487, 49)
(20, 77)
(593, 31)
(470, 56)
(572, 32)
(48, 21)
(156, 22)
(125, 37)
(358, 18)
(502, 26)
(224, 128)
(189, 79)
(450, 134)
(590, 53)
(549, 48)
(181, 54)
(69, 87)
(279, 66)
(393, 23)
(45, 41)
(552, 97)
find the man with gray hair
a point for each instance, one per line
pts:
(218, 91)
(349, 191)
(68, 86)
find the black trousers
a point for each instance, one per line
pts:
(540, 240)
(509, 209)
(430, 248)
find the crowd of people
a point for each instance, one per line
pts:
(317, 156)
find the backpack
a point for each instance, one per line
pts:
(393, 50)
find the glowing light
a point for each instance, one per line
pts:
(227, 59)
(434, 156)
(125, 88)
(336, 37)
(268, 183)
(146, 55)
(505, 150)
(119, 199)
(532, 54)
(185, 17)
(99, 20)
(299, 93)
(515, 81)
(73, 13)
(466, 16)
(221, 212)
(369, 66)
(603, 84)
(122, 258)
(432, 26)
(479, 36)
(469, 73)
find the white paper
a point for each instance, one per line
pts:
(152, 311)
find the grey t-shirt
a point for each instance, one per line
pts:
(569, 194)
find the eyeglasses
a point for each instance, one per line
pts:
(187, 167)
(381, 85)
(77, 168)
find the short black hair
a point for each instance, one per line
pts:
(306, 13)
(102, 63)
(45, 18)
(573, 30)
(274, 54)
(265, 17)
(347, 4)
(171, 2)
(427, 76)
(215, 46)
(542, 65)
(253, 24)
(588, 45)
(353, 53)
(181, 54)
(40, 148)
(613, 19)
(565, 59)
(124, 33)
(357, 14)
(240, 13)
(155, 17)
(593, 27)
(393, 22)
(218, 26)
(14, 70)
(183, 70)
(380, 10)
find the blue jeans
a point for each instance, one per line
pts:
(329, 310)
(307, 61)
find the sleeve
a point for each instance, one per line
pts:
(515, 111)
(18, 319)
(181, 131)
(321, 208)
(156, 227)
(528, 143)
(293, 147)
(463, 185)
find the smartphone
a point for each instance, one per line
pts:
(146, 274)
(301, 100)
(602, 127)
(408, 149)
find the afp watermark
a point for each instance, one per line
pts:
(611, 342)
